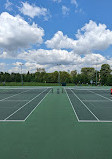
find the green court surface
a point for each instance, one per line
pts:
(64, 124)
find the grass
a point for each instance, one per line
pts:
(39, 84)
(29, 84)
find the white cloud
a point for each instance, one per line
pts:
(49, 59)
(74, 2)
(65, 10)
(17, 63)
(28, 66)
(93, 37)
(94, 59)
(16, 33)
(53, 57)
(60, 41)
(32, 10)
(89, 38)
(8, 5)
(32, 66)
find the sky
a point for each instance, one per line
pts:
(62, 35)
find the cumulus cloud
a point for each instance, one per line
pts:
(89, 38)
(68, 60)
(94, 59)
(32, 10)
(65, 10)
(27, 66)
(53, 57)
(93, 37)
(49, 59)
(16, 33)
(60, 41)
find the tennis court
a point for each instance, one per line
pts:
(51, 123)
(91, 105)
(17, 104)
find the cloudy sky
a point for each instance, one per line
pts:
(44, 33)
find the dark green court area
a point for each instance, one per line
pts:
(91, 104)
(55, 122)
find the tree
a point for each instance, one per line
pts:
(64, 77)
(73, 76)
(88, 74)
(55, 77)
(73, 73)
(109, 80)
(105, 73)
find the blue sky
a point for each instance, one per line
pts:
(44, 33)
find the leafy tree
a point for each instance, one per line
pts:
(55, 76)
(65, 77)
(109, 80)
(105, 73)
(73, 75)
(89, 72)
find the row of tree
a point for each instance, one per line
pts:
(88, 75)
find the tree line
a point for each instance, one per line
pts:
(88, 75)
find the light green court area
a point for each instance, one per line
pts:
(53, 132)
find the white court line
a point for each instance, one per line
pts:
(100, 95)
(36, 106)
(15, 101)
(72, 106)
(24, 105)
(13, 95)
(11, 120)
(85, 105)
(95, 100)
